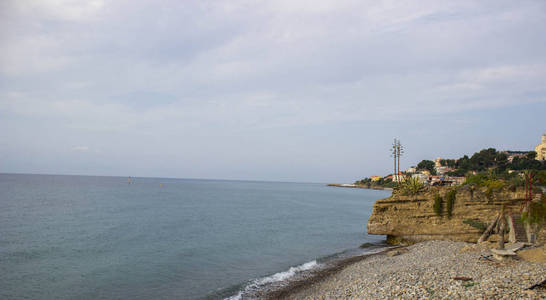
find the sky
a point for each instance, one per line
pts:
(307, 91)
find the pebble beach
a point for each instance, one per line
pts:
(431, 270)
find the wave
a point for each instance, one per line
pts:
(262, 286)
(275, 278)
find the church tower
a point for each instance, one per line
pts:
(541, 149)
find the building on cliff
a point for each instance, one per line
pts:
(421, 177)
(541, 149)
(412, 169)
(513, 154)
(375, 178)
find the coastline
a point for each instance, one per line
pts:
(355, 186)
(298, 277)
(318, 276)
(432, 269)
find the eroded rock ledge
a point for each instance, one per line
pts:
(409, 219)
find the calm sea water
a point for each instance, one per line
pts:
(81, 237)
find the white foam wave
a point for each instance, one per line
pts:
(277, 277)
(287, 274)
(239, 296)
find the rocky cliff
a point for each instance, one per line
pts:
(409, 219)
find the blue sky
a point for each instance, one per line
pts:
(275, 90)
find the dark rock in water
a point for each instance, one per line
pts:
(366, 245)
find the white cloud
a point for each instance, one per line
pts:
(71, 10)
(172, 69)
(80, 148)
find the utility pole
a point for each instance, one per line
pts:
(396, 151)
(399, 152)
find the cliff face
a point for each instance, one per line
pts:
(409, 219)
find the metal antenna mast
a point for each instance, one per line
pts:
(396, 151)
(394, 154)
(399, 152)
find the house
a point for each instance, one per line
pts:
(421, 177)
(442, 170)
(446, 180)
(412, 169)
(375, 178)
(541, 149)
(439, 168)
(512, 154)
(454, 180)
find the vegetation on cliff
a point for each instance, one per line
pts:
(450, 201)
(537, 212)
(491, 159)
(438, 204)
(411, 186)
(476, 224)
(381, 182)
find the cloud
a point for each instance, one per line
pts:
(80, 148)
(142, 72)
(69, 10)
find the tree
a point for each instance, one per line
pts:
(464, 164)
(525, 163)
(448, 163)
(501, 160)
(484, 159)
(426, 165)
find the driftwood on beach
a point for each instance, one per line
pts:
(489, 230)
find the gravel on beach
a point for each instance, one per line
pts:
(427, 271)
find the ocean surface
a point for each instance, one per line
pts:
(85, 237)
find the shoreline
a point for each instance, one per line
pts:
(298, 277)
(355, 186)
(320, 275)
(424, 270)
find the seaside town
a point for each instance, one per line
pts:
(454, 172)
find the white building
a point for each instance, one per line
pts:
(411, 169)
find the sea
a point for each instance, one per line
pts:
(94, 237)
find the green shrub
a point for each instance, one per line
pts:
(411, 186)
(540, 178)
(489, 181)
(537, 212)
(438, 205)
(515, 182)
(493, 185)
(476, 224)
(450, 201)
(477, 179)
